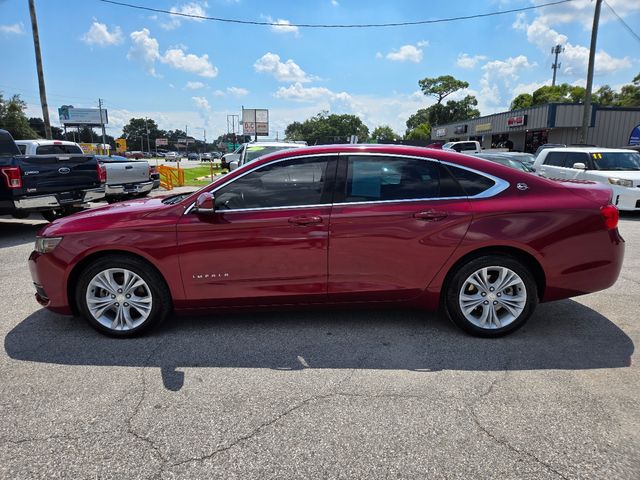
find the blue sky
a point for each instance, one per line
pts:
(187, 72)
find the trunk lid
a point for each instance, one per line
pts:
(119, 173)
(43, 174)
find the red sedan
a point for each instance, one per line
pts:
(337, 224)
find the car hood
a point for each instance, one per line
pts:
(127, 214)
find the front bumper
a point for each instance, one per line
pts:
(58, 200)
(128, 189)
(50, 291)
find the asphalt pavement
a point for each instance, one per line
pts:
(348, 393)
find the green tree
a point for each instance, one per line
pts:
(37, 124)
(629, 95)
(441, 87)
(13, 118)
(135, 132)
(523, 100)
(420, 132)
(384, 132)
(327, 128)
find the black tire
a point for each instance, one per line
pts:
(51, 215)
(160, 294)
(459, 278)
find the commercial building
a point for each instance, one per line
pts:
(528, 128)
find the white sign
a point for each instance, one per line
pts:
(82, 116)
(162, 141)
(441, 132)
(255, 121)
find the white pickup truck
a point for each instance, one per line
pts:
(125, 177)
(470, 146)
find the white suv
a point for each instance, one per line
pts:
(618, 168)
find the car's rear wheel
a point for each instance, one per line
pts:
(491, 296)
(122, 296)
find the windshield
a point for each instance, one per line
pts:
(255, 151)
(447, 145)
(57, 149)
(616, 161)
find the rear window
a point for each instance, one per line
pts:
(57, 149)
(22, 148)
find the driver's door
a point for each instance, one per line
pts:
(266, 242)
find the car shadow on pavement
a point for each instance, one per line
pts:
(561, 335)
(17, 232)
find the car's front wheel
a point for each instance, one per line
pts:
(491, 296)
(122, 296)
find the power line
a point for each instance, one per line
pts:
(329, 25)
(622, 21)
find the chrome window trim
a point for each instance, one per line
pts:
(499, 186)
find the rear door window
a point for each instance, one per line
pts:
(555, 159)
(575, 157)
(380, 178)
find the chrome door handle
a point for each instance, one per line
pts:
(305, 220)
(430, 215)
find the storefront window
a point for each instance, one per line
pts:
(534, 139)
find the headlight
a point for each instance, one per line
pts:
(47, 244)
(621, 182)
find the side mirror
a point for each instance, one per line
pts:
(579, 166)
(233, 165)
(205, 203)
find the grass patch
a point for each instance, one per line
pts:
(191, 175)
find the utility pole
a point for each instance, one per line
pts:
(586, 114)
(146, 125)
(104, 133)
(186, 141)
(558, 49)
(43, 93)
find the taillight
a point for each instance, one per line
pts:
(610, 215)
(12, 177)
(102, 173)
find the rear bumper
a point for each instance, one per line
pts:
(128, 189)
(627, 199)
(49, 202)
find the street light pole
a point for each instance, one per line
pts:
(43, 92)
(586, 114)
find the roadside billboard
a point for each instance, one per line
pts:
(121, 145)
(82, 116)
(162, 141)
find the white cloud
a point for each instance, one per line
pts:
(574, 59)
(201, 102)
(288, 71)
(299, 93)
(100, 35)
(192, 8)
(14, 29)
(335, 3)
(499, 76)
(218, 93)
(282, 26)
(238, 91)
(194, 85)
(145, 50)
(176, 58)
(406, 53)
(467, 61)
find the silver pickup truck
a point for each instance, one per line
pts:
(125, 177)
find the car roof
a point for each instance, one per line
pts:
(44, 141)
(274, 144)
(586, 149)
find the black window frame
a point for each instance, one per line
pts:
(340, 196)
(326, 196)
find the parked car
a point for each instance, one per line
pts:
(336, 224)
(468, 146)
(506, 159)
(619, 169)
(137, 155)
(53, 184)
(206, 156)
(251, 151)
(126, 177)
(546, 146)
(193, 156)
(48, 147)
(172, 156)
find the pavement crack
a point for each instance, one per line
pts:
(58, 437)
(501, 441)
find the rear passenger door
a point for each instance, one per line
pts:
(394, 222)
(553, 166)
(571, 159)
